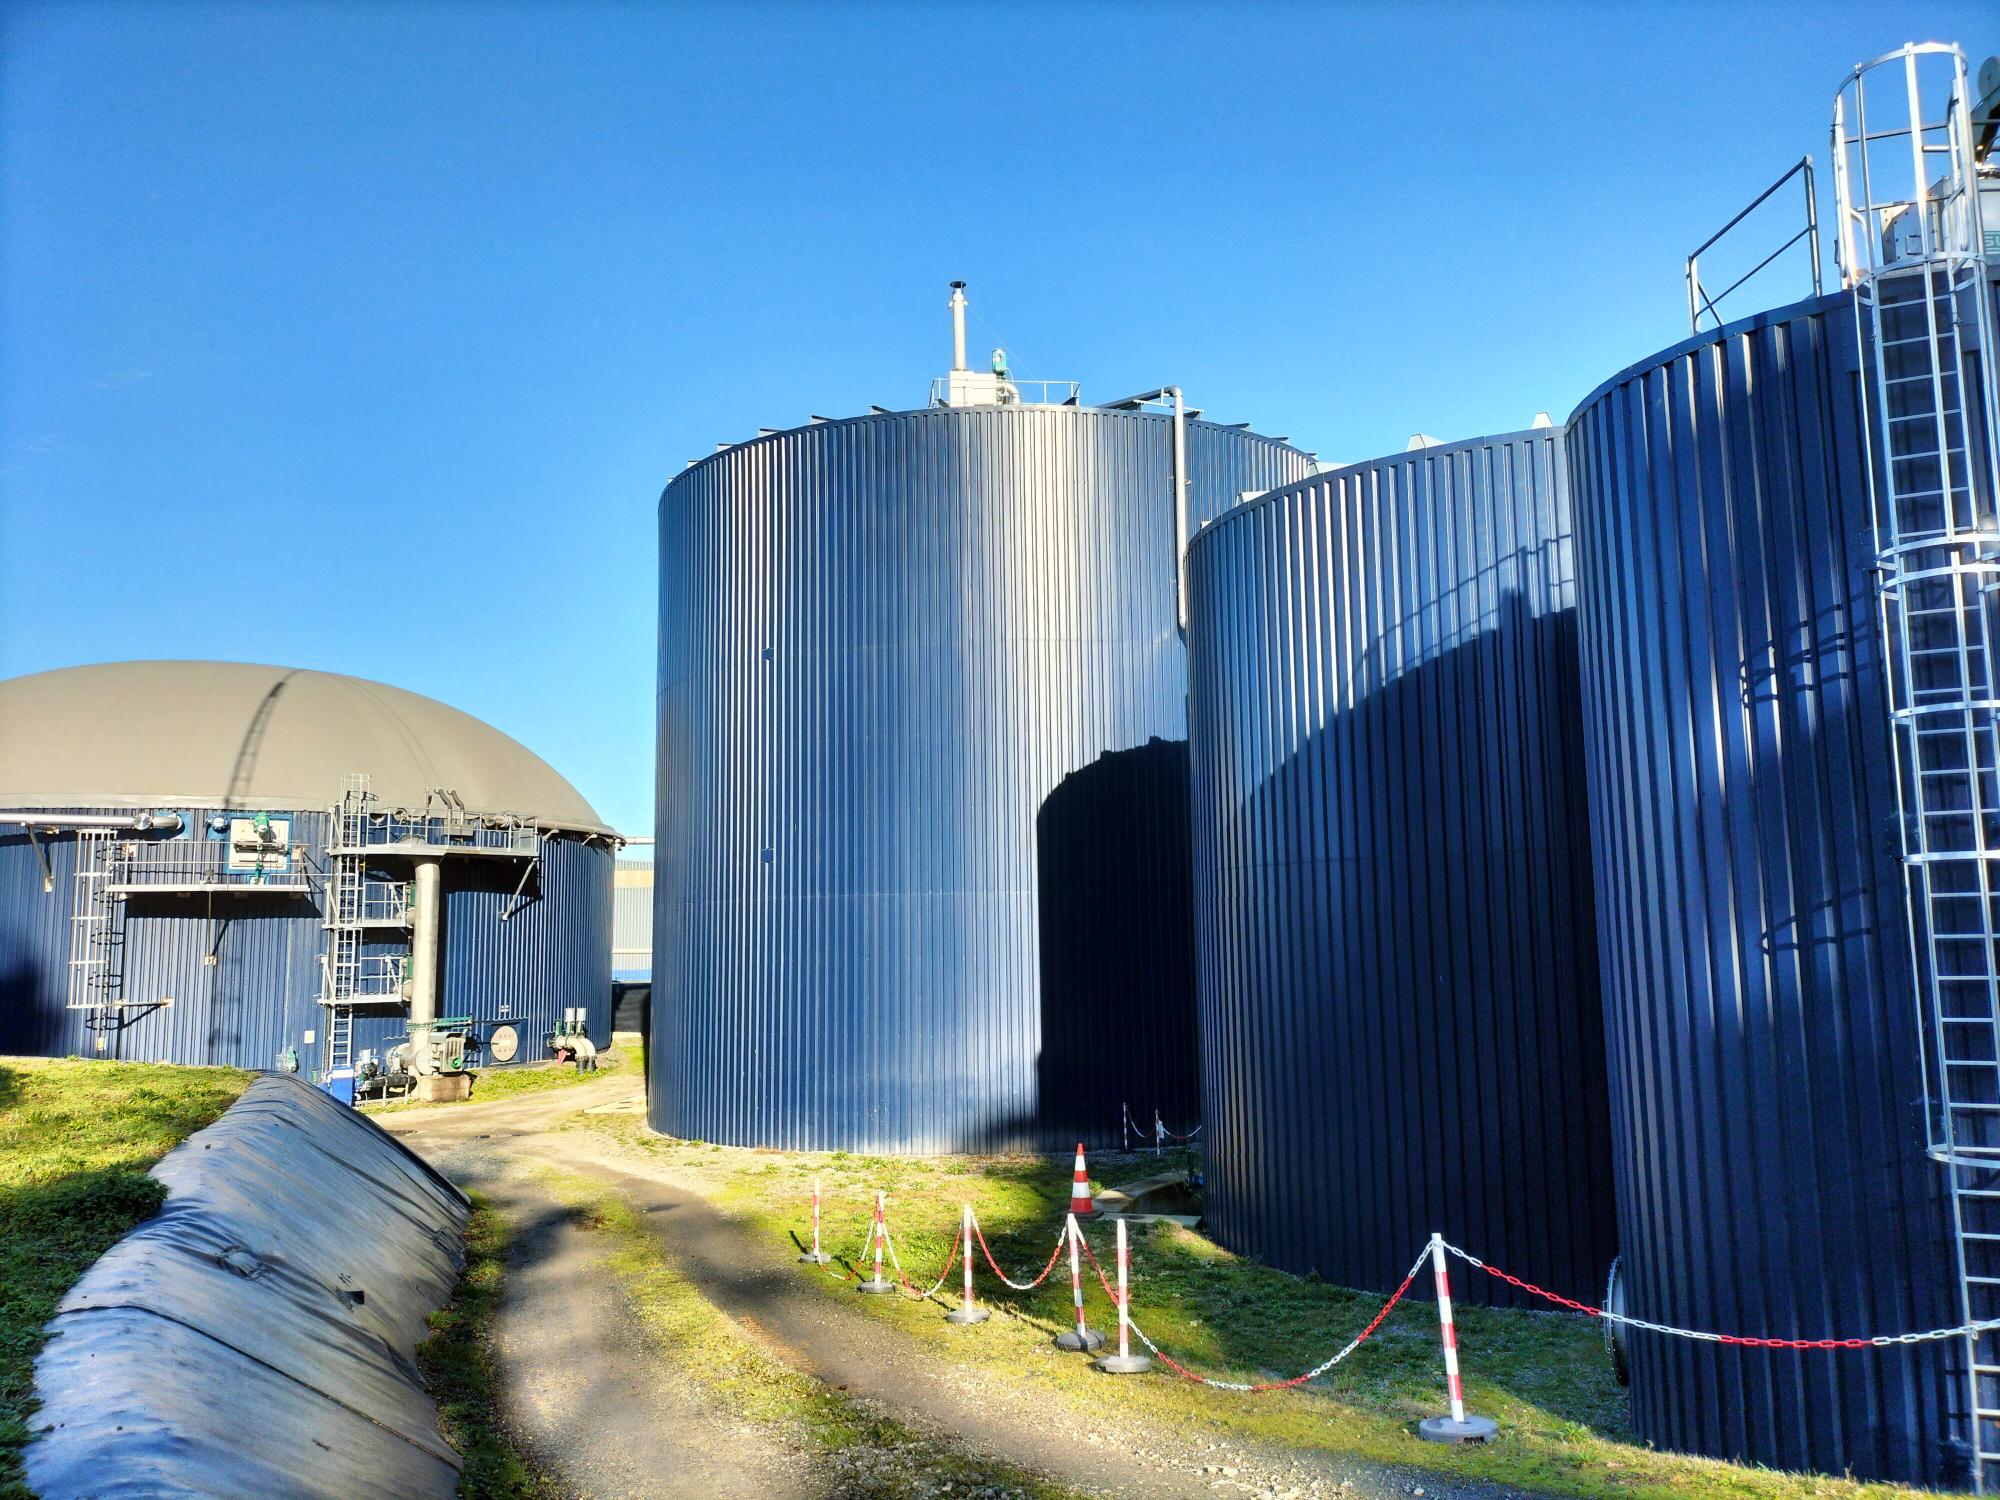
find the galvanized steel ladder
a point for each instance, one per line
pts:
(97, 927)
(346, 887)
(1911, 251)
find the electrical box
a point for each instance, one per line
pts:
(258, 843)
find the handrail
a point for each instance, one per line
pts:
(1699, 301)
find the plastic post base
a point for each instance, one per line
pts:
(876, 1287)
(968, 1315)
(1123, 1364)
(1444, 1430)
(815, 1258)
(1086, 1340)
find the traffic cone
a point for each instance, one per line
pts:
(1080, 1202)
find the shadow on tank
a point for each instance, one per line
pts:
(1410, 1003)
(1116, 921)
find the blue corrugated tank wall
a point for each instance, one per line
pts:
(1400, 1023)
(259, 997)
(261, 993)
(923, 879)
(1766, 1092)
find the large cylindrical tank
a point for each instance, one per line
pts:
(923, 870)
(1766, 1080)
(1400, 1023)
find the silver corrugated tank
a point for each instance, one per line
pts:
(923, 833)
(1400, 1023)
(1767, 1118)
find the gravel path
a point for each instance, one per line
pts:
(755, 1283)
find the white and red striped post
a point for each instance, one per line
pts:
(879, 1233)
(1124, 1362)
(967, 1310)
(816, 1256)
(1458, 1427)
(1083, 1336)
(1159, 1133)
(1125, 1127)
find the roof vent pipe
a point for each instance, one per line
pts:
(958, 325)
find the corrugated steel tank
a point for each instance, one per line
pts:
(923, 864)
(1400, 1023)
(261, 994)
(1766, 1090)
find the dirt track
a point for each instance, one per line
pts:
(592, 1401)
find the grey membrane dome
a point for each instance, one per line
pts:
(202, 733)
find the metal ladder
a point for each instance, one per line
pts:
(346, 887)
(97, 928)
(1910, 250)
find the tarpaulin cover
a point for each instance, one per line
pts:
(256, 1337)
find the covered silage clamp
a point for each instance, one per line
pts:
(1400, 1023)
(255, 1338)
(123, 787)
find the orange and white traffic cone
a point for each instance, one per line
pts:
(1080, 1202)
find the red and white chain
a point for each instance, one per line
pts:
(1750, 1341)
(1019, 1286)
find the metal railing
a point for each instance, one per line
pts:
(1015, 392)
(1699, 299)
(140, 864)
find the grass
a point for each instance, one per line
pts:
(461, 1371)
(865, 1453)
(1564, 1423)
(76, 1139)
(490, 1085)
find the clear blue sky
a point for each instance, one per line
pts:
(364, 338)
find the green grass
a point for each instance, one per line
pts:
(490, 1085)
(692, 1335)
(461, 1371)
(76, 1139)
(1565, 1427)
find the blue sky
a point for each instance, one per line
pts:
(364, 338)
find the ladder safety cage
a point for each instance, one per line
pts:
(1911, 251)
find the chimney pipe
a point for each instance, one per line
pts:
(958, 325)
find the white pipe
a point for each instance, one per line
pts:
(958, 325)
(424, 964)
(144, 822)
(1180, 508)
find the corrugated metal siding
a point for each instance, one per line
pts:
(258, 998)
(632, 920)
(1400, 1022)
(262, 994)
(550, 955)
(1766, 1113)
(922, 729)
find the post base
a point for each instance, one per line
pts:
(815, 1258)
(875, 1287)
(1444, 1430)
(968, 1315)
(1084, 1339)
(1123, 1364)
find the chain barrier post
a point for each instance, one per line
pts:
(1082, 1337)
(816, 1256)
(967, 1311)
(1458, 1427)
(1159, 1133)
(879, 1233)
(1125, 1127)
(1124, 1362)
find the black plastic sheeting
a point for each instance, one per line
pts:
(1400, 1021)
(256, 1337)
(1767, 1127)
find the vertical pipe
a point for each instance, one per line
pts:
(958, 325)
(424, 965)
(1180, 509)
